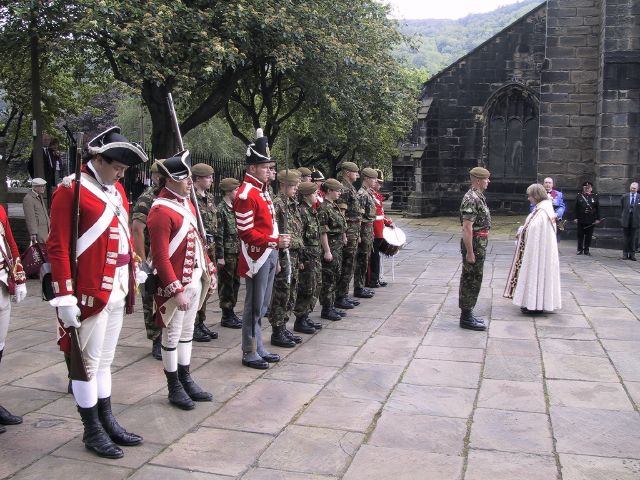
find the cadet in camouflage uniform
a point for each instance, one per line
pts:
(332, 238)
(141, 243)
(476, 222)
(202, 180)
(305, 174)
(350, 205)
(227, 252)
(310, 267)
(285, 282)
(365, 247)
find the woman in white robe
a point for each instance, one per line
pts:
(534, 278)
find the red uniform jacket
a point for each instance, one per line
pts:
(381, 220)
(9, 246)
(257, 228)
(97, 247)
(173, 233)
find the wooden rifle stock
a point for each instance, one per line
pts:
(77, 367)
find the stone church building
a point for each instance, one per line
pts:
(557, 93)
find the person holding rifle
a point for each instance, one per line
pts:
(260, 241)
(91, 306)
(185, 276)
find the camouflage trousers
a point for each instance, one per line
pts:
(349, 251)
(365, 247)
(330, 274)
(285, 289)
(471, 277)
(228, 282)
(153, 331)
(308, 279)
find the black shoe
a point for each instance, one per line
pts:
(116, 433)
(270, 357)
(177, 395)
(468, 322)
(194, 391)
(295, 338)
(95, 437)
(477, 319)
(383, 284)
(580, 252)
(362, 293)
(156, 348)
(329, 313)
(344, 303)
(526, 311)
(368, 290)
(7, 418)
(199, 334)
(373, 285)
(353, 301)
(632, 257)
(230, 319)
(316, 325)
(258, 364)
(209, 332)
(279, 339)
(342, 313)
(586, 252)
(302, 326)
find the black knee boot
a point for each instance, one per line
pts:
(95, 437)
(177, 395)
(118, 434)
(190, 387)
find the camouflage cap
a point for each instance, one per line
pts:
(333, 184)
(304, 172)
(349, 167)
(479, 172)
(369, 172)
(229, 184)
(307, 188)
(201, 170)
(291, 176)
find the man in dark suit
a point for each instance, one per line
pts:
(630, 220)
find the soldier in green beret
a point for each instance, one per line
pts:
(141, 243)
(476, 222)
(283, 296)
(227, 251)
(202, 179)
(349, 203)
(305, 174)
(310, 268)
(365, 247)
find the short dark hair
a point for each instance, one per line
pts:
(587, 183)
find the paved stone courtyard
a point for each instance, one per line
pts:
(394, 391)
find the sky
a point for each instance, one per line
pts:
(453, 9)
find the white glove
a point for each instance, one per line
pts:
(141, 276)
(69, 315)
(21, 292)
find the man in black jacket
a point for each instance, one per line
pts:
(587, 216)
(630, 220)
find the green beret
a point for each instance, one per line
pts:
(369, 173)
(291, 176)
(201, 170)
(349, 167)
(154, 166)
(229, 184)
(304, 172)
(307, 188)
(479, 172)
(333, 184)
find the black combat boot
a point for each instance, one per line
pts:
(230, 319)
(361, 293)
(468, 322)
(177, 395)
(192, 388)
(316, 325)
(199, 335)
(7, 418)
(291, 335)
(118, 434)
(208, 331)
(302, 326)
(350, 299)
(342, 302)
(156, 348)
(279, 339)
(95, 437)
(342, 313)
(328, 313)
(477, 319)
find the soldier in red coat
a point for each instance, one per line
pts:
(105, 285)
(12, 283)
(260, 239)
(379, 223)
(185, 275)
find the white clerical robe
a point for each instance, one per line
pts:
(534, 278)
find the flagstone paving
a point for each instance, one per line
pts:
(394, 391)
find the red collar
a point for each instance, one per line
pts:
(255, 182)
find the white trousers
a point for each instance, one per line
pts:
(5, 313)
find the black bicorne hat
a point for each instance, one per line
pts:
(114, 146)
(316, 175)
(176, 167)
(258, 151)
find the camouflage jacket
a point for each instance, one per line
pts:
(368, 205)
(310, 228)
(294, 223)
(140, 212)
(350, 204)
(226, 235)
(331, 220)
(474, 209)
(207, 207)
